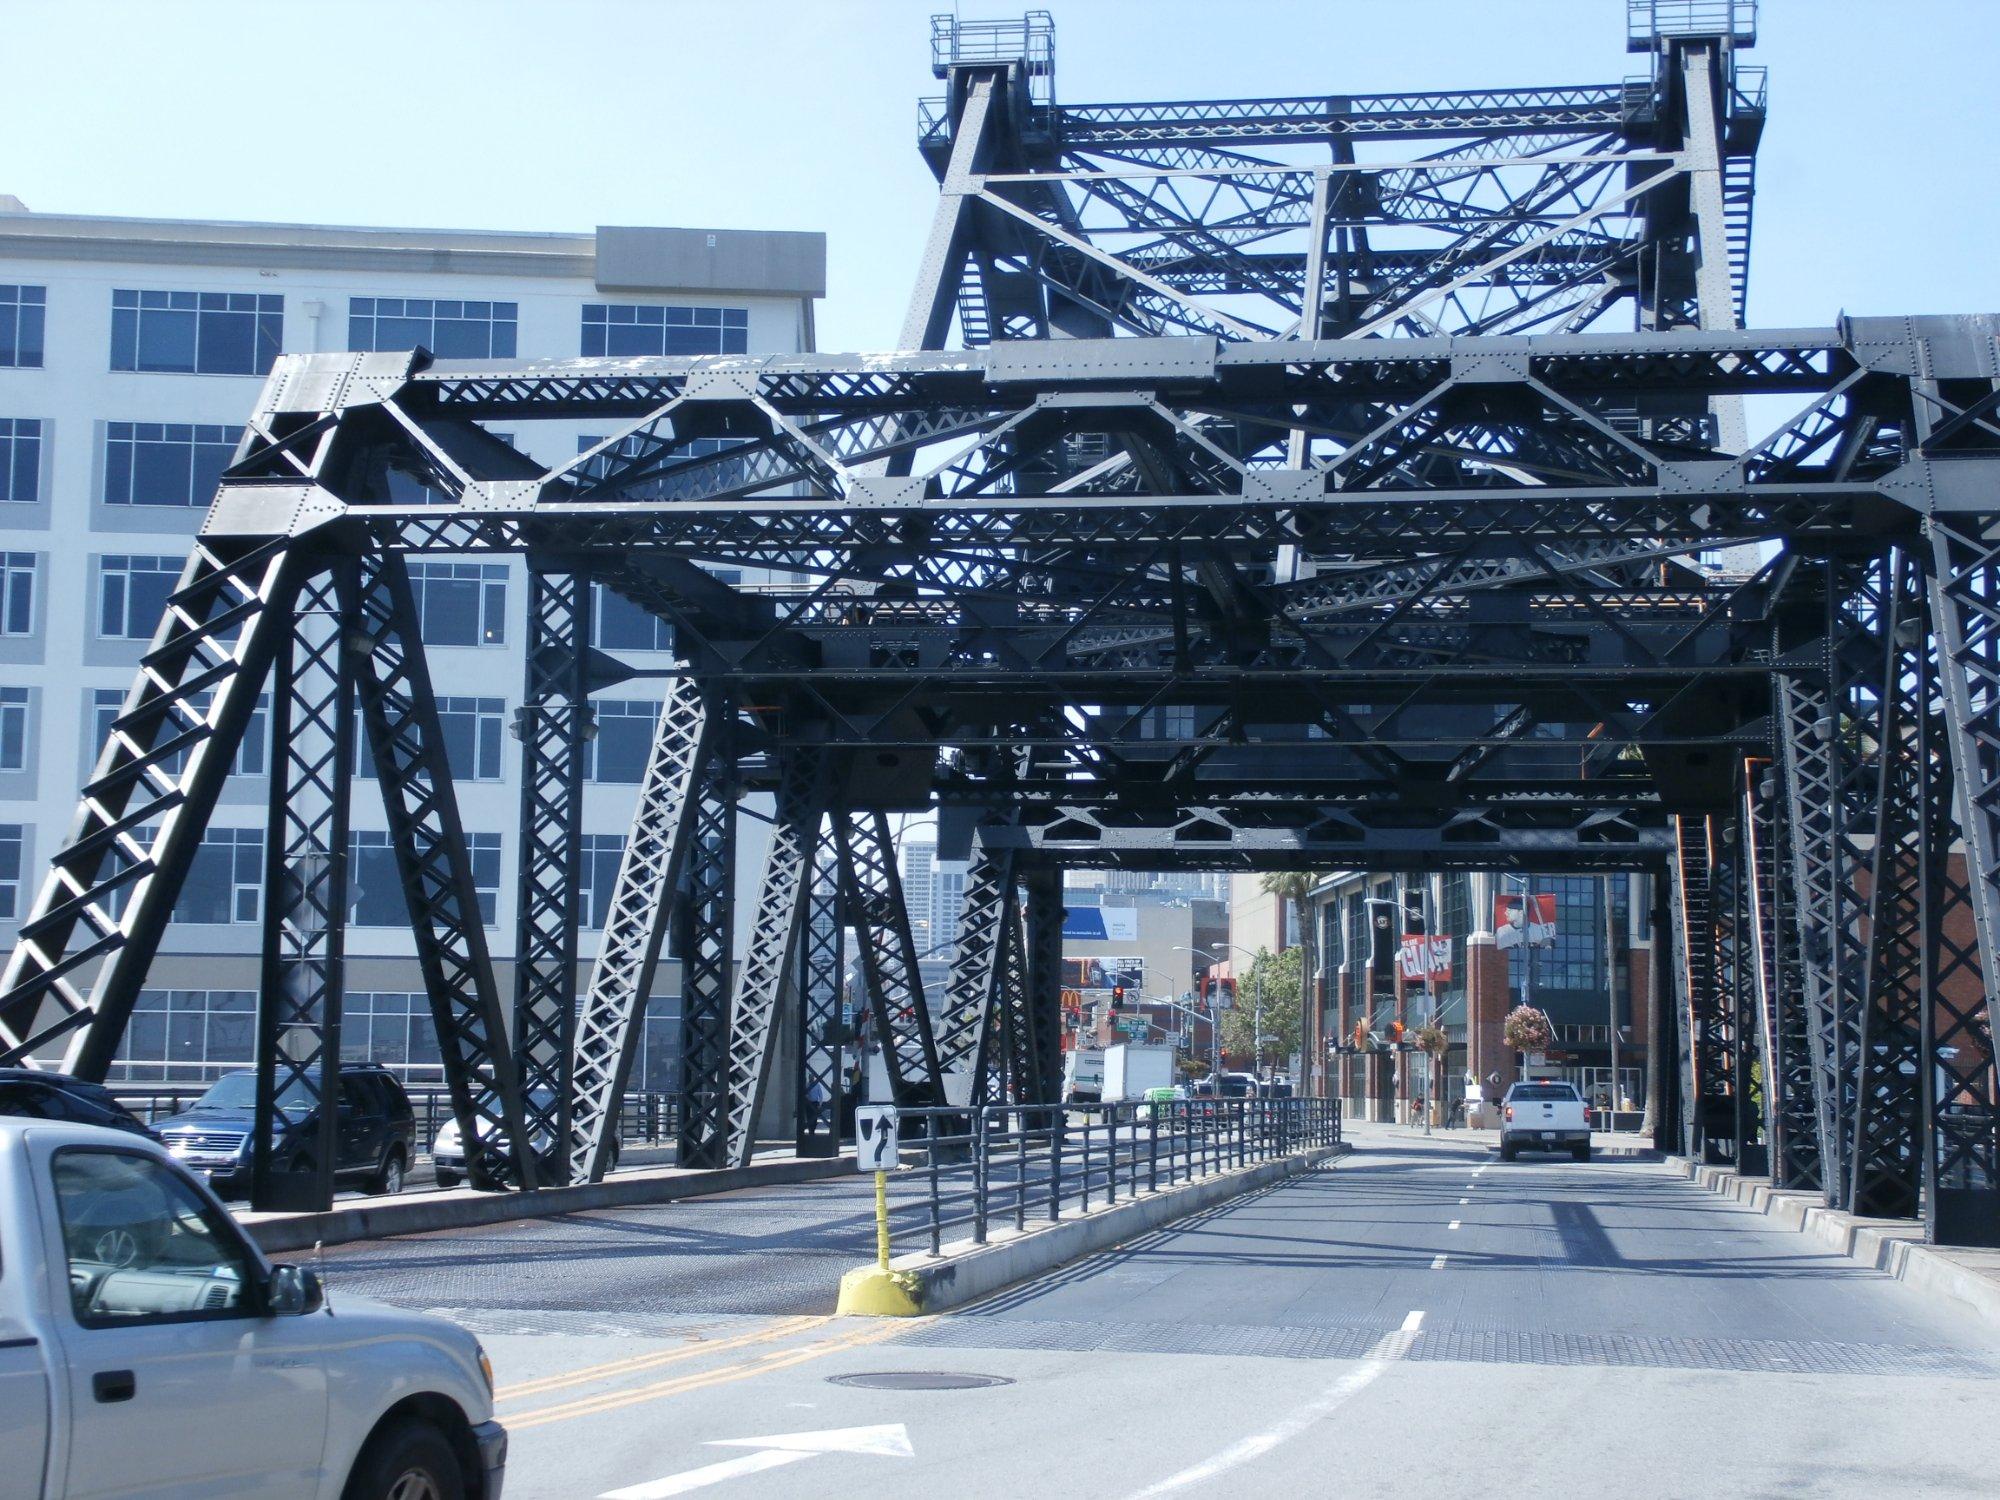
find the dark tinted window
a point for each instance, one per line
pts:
(394, 1100)
(26, 1099)
(1545, 1091)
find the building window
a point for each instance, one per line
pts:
(393, 1028)
(617, 328)
(225, 880)
(471, 728)
(461, 604)
(13, 729)
(22, 309)
(196, 333)
(252, 755)
(17, 593)
(20, 460)
(624, 739)
(601, 854)
(617, 624)
(451, 330)
(132, 594)
(375, 890)
(12, 839)
(188, 1035)
(165, 463)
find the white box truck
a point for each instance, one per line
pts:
(1131, 1069)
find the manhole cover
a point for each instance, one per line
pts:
(919, 1380)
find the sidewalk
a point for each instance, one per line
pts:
(1966, 1276)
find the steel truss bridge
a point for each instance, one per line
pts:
(1268, 483)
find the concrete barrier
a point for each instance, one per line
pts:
(1967, 1278)
(964, 1272)
(425, 1213)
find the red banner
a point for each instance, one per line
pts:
(1529, 920)
(1427, 957)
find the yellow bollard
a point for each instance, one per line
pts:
(881, 1221)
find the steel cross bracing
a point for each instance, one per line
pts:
(440, 891)
(769, 981)
(898, 1017)
(305, 913)
(551, 721)
(650, 869)
(822, 1025)
(1250, 596)
(1788, 1101)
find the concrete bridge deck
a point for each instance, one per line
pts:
(1423, 1320)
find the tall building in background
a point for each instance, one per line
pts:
(131, 352)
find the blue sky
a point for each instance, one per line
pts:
(1877, 189)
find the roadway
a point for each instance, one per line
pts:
(1422, 1320)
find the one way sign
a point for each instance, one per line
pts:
(875, 1138)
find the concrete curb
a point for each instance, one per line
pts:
(459, 1209)
(966, 1272)
(1968, 1279)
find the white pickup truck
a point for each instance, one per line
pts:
(1544, 1116)
(148, 1349)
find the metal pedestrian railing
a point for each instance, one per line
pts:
(970, 1172)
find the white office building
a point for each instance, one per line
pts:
(131, 351)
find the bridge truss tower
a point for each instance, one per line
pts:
(1263, 484)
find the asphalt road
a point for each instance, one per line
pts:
(1422, 1320)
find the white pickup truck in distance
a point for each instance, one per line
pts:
(147, 1348)
(1544, 1117)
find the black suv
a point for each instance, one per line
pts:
(36, 1095)
(374, 1131)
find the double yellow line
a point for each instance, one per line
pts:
(777, 1359)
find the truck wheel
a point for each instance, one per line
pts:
(1581, 1153)
(408, 1460)
(1508, 1152)
(390, 1178)
(447, 1179)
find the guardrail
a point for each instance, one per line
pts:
(643, 1118)
(1015, 1165)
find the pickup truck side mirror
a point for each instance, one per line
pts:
(292, 1292)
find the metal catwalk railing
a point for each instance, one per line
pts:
(967, 1173)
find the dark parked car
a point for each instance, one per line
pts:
(57, 1096)
(374, 1131)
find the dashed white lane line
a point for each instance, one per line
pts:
(1465, 1200)
(1437, 1262)
(1386, 1351)
(1452, 1225)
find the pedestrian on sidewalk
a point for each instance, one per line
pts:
(815, 1103)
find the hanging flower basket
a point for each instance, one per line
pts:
(1431, 1038)
(1527, 1030)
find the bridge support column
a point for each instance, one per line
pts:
(822, 1033)
(705, 940)
(1042, 889)
(305, 897)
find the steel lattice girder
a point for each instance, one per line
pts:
(1905, 884)
(705, 940)
(1706, 1022)
(144, 807)
(966, 1039)
(305, 908)
(769, 977)
(1780, 984)
(898, 1016)
(551, 720)
(440, 890)
(821, 971)
(650, 871)
(1548, 205)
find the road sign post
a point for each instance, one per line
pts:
(875, 1150)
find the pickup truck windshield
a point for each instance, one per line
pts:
(1560, 1091)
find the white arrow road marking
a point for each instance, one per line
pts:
(890, 1441)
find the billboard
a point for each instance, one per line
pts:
(1519, 920)
(1105, 973)
(1101, 924)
